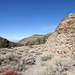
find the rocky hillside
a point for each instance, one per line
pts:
(32, 38)
(63, 39)
(4, 43)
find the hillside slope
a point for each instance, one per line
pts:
(38, 41)
(63, 39)
(4, 43)
(32, 38)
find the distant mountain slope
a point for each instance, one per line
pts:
(38, 41)
(32, 38)
(4, 43)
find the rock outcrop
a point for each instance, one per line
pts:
(63, 38)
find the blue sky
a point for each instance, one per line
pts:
(23, 18)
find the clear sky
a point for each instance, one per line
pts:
(23, 18)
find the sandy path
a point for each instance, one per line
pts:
(33, 69)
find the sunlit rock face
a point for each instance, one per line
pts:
(63, 37)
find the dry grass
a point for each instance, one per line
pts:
(46, 56)
(56, 66)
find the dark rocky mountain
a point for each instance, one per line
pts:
(4, 43)
(64, 36)
(32, 38)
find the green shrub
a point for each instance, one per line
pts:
(31, 46)
(12, 44)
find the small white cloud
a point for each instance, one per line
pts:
(50, 27)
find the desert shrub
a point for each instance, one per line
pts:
(31, 46)
(27, 43)
(30, 43)
(37, 42)
(56, 66)
(12, 44)
(46, 56)
(8, 58)
(30, 60)
(42, 71)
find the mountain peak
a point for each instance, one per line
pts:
(72, 15)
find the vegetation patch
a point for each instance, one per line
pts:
(56, 66)
(46, 56)
(38, 41)
(4, 43)
(31, 46)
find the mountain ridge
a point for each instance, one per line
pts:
(32, 38)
